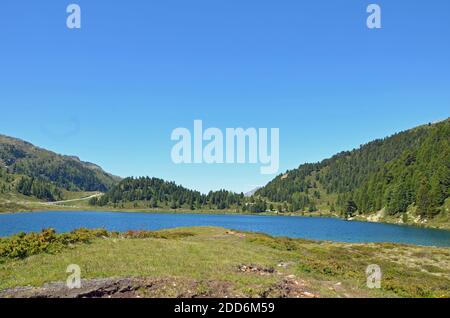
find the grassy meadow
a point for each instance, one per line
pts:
(211, 261)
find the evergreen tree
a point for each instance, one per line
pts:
(350, 208)
(423, 199)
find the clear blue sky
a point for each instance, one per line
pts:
(113, 91)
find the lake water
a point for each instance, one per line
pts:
(297, 227)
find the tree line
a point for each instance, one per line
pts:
(38, 188)
(157, 193)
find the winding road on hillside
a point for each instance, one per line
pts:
(28, 203)
(74, 200)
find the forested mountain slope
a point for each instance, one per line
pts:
(409, 170)
(18, 157)
(156, 193)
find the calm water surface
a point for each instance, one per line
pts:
(298, 227)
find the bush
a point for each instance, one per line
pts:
(23, 245)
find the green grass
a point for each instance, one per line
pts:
(209, 254)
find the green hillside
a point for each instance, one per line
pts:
(409, 171)
(22, 158)
(155, 193)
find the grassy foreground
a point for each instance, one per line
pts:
(216, 262)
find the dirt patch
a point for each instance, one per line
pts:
(128, 288)
(228, 233)
(177, 288)
(95, 288)
(289, 287)
(256, 269)
(238, 234)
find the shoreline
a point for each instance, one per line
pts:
(320, 242)
(233, 213)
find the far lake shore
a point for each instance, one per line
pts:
(359, 218)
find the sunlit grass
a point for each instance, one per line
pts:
(215, 254)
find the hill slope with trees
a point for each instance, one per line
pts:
(155, 193)
(409, 171)
(22, 158)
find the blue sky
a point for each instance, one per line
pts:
(113, 91)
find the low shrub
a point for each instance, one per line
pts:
(23, 244)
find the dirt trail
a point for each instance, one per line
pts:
(54, 202)
(74, 200)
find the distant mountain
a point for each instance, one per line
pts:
(19, 157)
(252, 192)
(407, 171)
